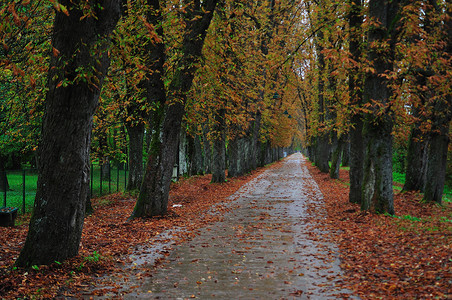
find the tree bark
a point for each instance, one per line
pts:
(197, 157)
(219, 148)
(416, 169)
(56, 224)
(336, 159)
(322, 149)
(346, 153)
(355, 90)
(207, 151)
(356, 160)
(442, 115)
(254, 155)
(153, 198)
(105, 169)
(136, 139)
(377, 184)
(437, 153)
(234, 157)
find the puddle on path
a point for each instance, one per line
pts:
(265, 248)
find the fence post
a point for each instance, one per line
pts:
(92, 177)
(117, 179)
(125, 177)
(23, 191)
(4, 193)
(101, 178)
(109, 178)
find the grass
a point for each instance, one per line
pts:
(16, 197)
(399, 179)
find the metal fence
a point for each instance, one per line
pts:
(22, 184)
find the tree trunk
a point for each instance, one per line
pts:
(322, 155)
(182, 161)
(207, 151)
(416, 167)
(254, 147)
(136, 139)
(356, 160)
(153, 198)
(377, 183)
(234, 157)
(437, 153)
(439, 136)
(195, 155)
(355, 89)
(336, 159)
(105, 169)
(198, 162)
(219, 148)
(346, 153)
(56, 224)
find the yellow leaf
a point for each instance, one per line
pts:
(64, 9)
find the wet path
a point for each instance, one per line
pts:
(265, 248)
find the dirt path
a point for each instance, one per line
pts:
(265, 248)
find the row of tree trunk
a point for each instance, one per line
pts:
(370, 148)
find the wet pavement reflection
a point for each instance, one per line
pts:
(264, 248)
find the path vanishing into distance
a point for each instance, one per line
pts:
(266, 247)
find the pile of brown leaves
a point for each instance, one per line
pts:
(108, 238)
(408, 256)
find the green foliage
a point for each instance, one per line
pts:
(398, 159)
(398, 177)
(94, 258)
(405, 217)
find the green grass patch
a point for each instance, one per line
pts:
(16, 196)
(398, 177)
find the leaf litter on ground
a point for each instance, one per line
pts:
(109, 239)
(384, 257)
(407, 256)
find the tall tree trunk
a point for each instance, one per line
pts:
(336, 158)
(322, 143)
(322, 148)
(254, 155)
(136, 139)
(153, 198)
(436, 169)
(346, 153)
(56, 224)
(377, 183)
(437, 153)
(195, 155)
(219, 148)
(355, 90)
(234, 157)
(155, 93)
(416, 168)
(207, 150)
(356, 160)
(442, 115)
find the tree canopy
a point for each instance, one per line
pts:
(226, 85)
